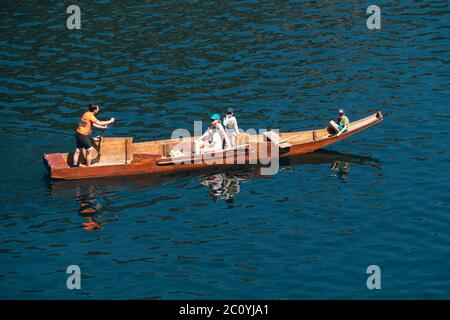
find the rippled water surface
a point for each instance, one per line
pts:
(380, 197)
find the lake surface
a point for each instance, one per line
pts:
(380, 197)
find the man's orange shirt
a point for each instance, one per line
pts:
(85, 125)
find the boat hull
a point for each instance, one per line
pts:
(137, 160)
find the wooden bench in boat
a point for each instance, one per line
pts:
(200, 157)
(276, 139)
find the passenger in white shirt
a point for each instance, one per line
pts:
(210, 141)
(215, 118)
(231, 127)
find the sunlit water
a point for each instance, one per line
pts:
(310, 231)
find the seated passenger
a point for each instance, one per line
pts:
(215, 121)
(210, 141)
(341, 125)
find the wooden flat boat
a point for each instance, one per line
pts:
(123, 157)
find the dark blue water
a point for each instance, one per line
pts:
(310, 232)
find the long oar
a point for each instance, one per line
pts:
(100, 137)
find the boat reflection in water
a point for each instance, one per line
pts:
(225, 185)
(222, 185)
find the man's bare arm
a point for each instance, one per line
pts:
(105, 123)
(344, 129)
(202, 137)
(237, 128)
(224, 135)
(99, 126)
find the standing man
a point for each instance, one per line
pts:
(342, 124)
(231, 127)
(84, 130)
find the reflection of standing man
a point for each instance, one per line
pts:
(88, 208)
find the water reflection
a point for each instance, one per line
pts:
(331, 157)
(221, 186)
(89, 207)
(342, 169)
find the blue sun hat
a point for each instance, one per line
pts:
(341, 111)
(230, 110)
(215, 116)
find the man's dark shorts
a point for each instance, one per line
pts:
(83, 141)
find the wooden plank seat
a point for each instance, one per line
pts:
(200, 157)
(276, 139)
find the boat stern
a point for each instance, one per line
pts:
(46, 164)
(53, 163)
